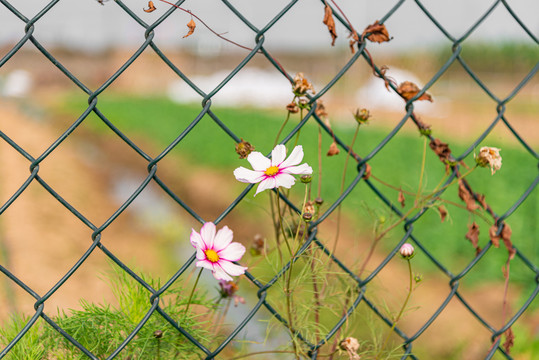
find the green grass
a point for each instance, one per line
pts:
(102, 327)
(505, 57)
(158, 121)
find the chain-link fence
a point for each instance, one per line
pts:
(361, 57)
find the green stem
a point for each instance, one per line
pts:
(400, 312)
(379, 237)
(422, 173)
(281, 225)
(281, 129)
(289, 299)
(193, 291)
(338, 230)
(319, 188)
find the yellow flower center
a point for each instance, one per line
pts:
(212, 255)
(272, 170)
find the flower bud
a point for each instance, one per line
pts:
(228, 288)
(307, 217)
(362, 116)
(407, 251)
(306, 179)
(158, 334)
(304, 104)
(292, 108)
(319, 201)
(243, 148)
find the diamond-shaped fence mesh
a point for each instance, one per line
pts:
(361, 296)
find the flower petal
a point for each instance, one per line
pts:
(233, 252)
(232, 269)
(200, 254)
(220, 274)
(268, 183)
(285, 180)
(278, 155)
(207, 232)
(302, 169)
(222, 239)
(205, 264)
(258, 161)
(295, 157)
(196, 239)
(248, 176)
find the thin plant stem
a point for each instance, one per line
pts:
(281, 128)
(379, 237)
(193, 292)
(506, 273)
(337, 334)
(208, 27)
(337, 231)
(281, 225)
(299, 131)
(221, 317)
(422, 173)
(400, 312)
(262, 353)
(288, 291)
(319, 185)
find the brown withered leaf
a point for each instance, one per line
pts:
(473, 234)
(191, 25)
(330, 23)
(509, 340)
(481, 200)
(387, 79)
(408, 90)
(443, 212)
(378, 33)
(466, 196)
(505, 236)
(321, 109)
(401, 198)
(441, 149)
(151, 7)
(333, 149)
(492, 234)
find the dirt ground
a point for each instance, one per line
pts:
(40, 239)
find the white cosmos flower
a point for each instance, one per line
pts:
(274, 172)
(216, 251)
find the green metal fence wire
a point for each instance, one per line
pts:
(259, 34)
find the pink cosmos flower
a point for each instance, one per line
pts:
(274, 172)
(216, 251)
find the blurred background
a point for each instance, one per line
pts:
(96, 172)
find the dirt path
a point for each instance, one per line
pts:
(41, 240)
